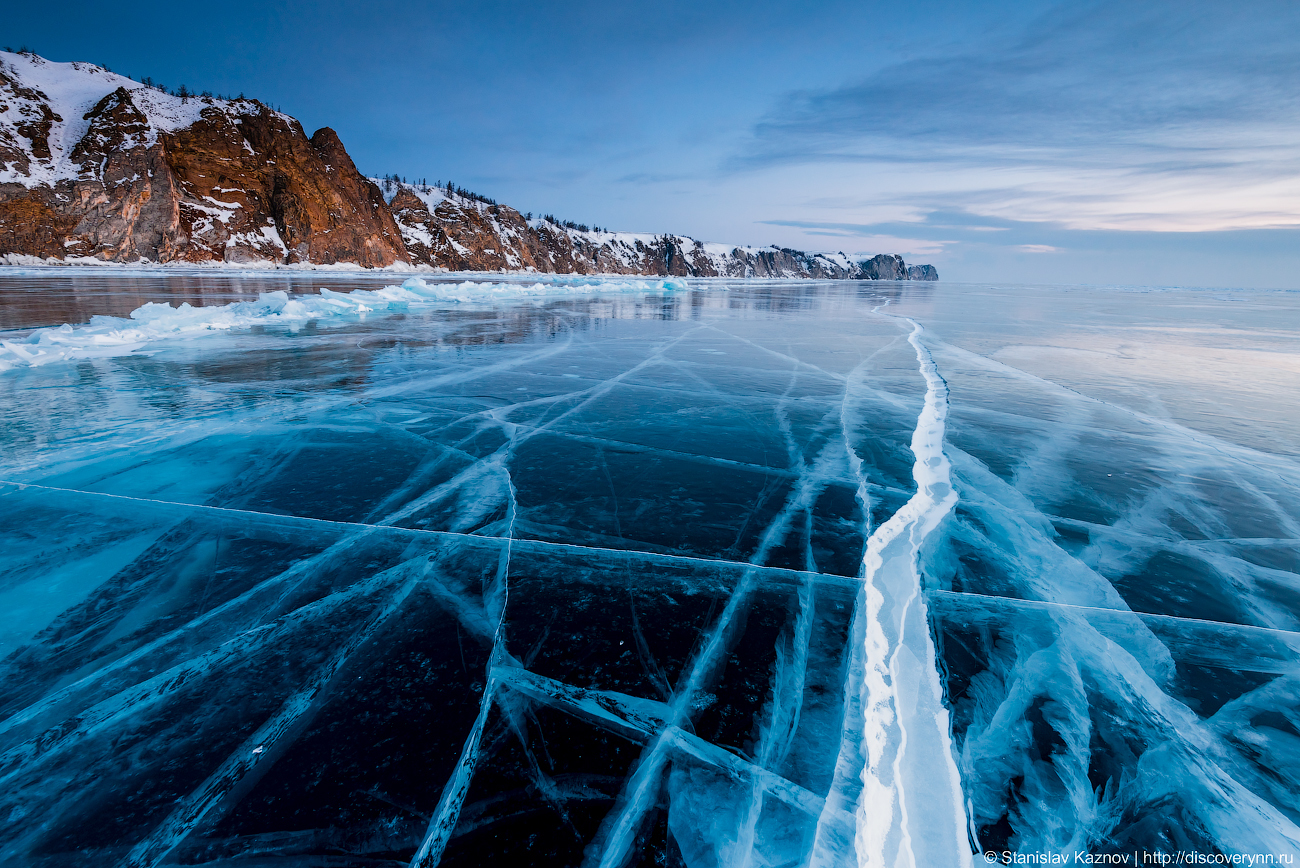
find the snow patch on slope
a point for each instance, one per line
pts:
(71, 90)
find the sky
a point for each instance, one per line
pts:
(1092, 141)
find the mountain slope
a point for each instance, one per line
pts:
(450, 230)
(96, 166)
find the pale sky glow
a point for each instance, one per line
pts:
(1100, 139)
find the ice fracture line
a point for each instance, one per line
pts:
(896, 752)
(496, 596)
(616, 840)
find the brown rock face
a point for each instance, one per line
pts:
(123, 203)
(30, 225)
(34, 117)
(462, 238)
(241, 183)
(885, 267)
(461, 234)
(252, 186)
(116, 125)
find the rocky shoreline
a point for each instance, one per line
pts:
(98, 168)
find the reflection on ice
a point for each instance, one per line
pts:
(107, 336)
(699, 576)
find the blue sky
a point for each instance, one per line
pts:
(1079, 142)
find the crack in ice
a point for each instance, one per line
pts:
(895, 741)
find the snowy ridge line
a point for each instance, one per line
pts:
(77, 126)
(107, 336)
(341, 527)
(22, 264)
(73, 90)
(903, 754)
(430, 217)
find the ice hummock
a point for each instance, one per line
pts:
(105, 336)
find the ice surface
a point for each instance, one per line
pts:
(895, 760)
(611, 573)
(106, 336)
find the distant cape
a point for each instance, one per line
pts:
(98, 168)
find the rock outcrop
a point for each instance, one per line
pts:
(140, 174)
(449, 230)
(96, 166)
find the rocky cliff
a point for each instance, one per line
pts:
(444, 228)
(96, 166)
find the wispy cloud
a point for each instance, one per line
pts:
(1102, 114)
(866, 239)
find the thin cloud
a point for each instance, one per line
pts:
(867, 238)
(1166, 116)
(1103, 73)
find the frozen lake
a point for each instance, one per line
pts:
(643, 572)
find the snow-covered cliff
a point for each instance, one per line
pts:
(97, 167)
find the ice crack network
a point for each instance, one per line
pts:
(461, 574)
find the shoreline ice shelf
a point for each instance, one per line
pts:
(613, 574)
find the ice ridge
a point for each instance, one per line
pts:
(107, 336)
(896, 767)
